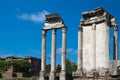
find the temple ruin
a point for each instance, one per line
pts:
(53, 22)
(93, 46)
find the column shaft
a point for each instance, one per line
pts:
(115, 43)
(53, 56)
(63, 49)
(43, 62)
(79, 67)
(94, 45)
(53, 62)
(43, 59)
(63, 60)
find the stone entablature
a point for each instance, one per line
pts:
(53, 18)
(53, 21)
(57, 25)
(96, 16)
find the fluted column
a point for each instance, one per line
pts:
(115, 42)
(94, 45)
(53, 56)
(63, 60)
(115, 27)
(79, 66)
(43, 59)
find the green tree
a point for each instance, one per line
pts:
(4, 65)
(70, 67)
(23, 66)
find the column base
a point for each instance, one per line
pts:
(92, 74)
(42, 75)
(52, 76)
(63, 75)
(103, 72)
(114, 71)
(78, 73)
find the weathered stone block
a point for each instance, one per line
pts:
(63, 75)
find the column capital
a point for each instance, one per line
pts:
(80, 28)
(114, 23)
(64, 29)
(93, 26)
(53, 31)
(115, 27)
(44, 32)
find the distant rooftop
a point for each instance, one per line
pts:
(14, 58)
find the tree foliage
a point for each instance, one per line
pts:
(22, 65)
(4, 65)
(71, 66)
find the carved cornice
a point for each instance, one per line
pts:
(95, 20)
(53, 18)
(53, 21)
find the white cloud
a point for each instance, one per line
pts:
(34, 51)
(35, 17)
(69, 50)
(59, 50)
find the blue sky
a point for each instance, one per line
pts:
(21, 22)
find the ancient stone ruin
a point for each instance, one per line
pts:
(93, 46)
(53, 22)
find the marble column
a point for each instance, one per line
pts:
(43, 59)
(94, 45)
(115, 42)
(93, 51)
(79, 67)
(53, 56)
(115, 27)
(63, 60)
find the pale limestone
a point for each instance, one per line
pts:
(88, 56)
(79, 66)
(63, 60)
(102, 46)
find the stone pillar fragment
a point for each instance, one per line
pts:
(43, 61)
(53, 57)
(63, 60)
